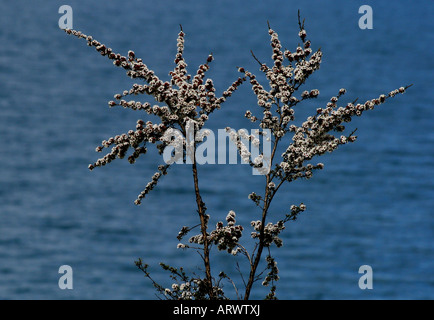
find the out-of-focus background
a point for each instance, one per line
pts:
(371, 205)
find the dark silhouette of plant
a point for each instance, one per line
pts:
(187, 102)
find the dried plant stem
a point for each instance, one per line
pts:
(267, 200)
(203, 226)
(260, 248)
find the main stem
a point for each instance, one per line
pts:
(203, 226)
(255, 264)
(267, 200)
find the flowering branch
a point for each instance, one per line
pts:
(187, 100)
(313, 138)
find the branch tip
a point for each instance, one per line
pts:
(257, 60)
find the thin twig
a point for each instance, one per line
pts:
(299, 23)
(260, 63)
(241, 274)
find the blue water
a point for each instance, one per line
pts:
(373, 203)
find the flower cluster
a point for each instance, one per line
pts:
(295, 211)
(283, 80)
(273, 273)
(183, 232)
(242, 140)
(237, 138)
(255, 198)
(313, 137)
(225, 237)
(185, 287)
(191, 289)
(184, 98)
(180, 291)
(270, 232)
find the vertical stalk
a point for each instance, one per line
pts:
(261, 244)
(203, 226)
(267, 200)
